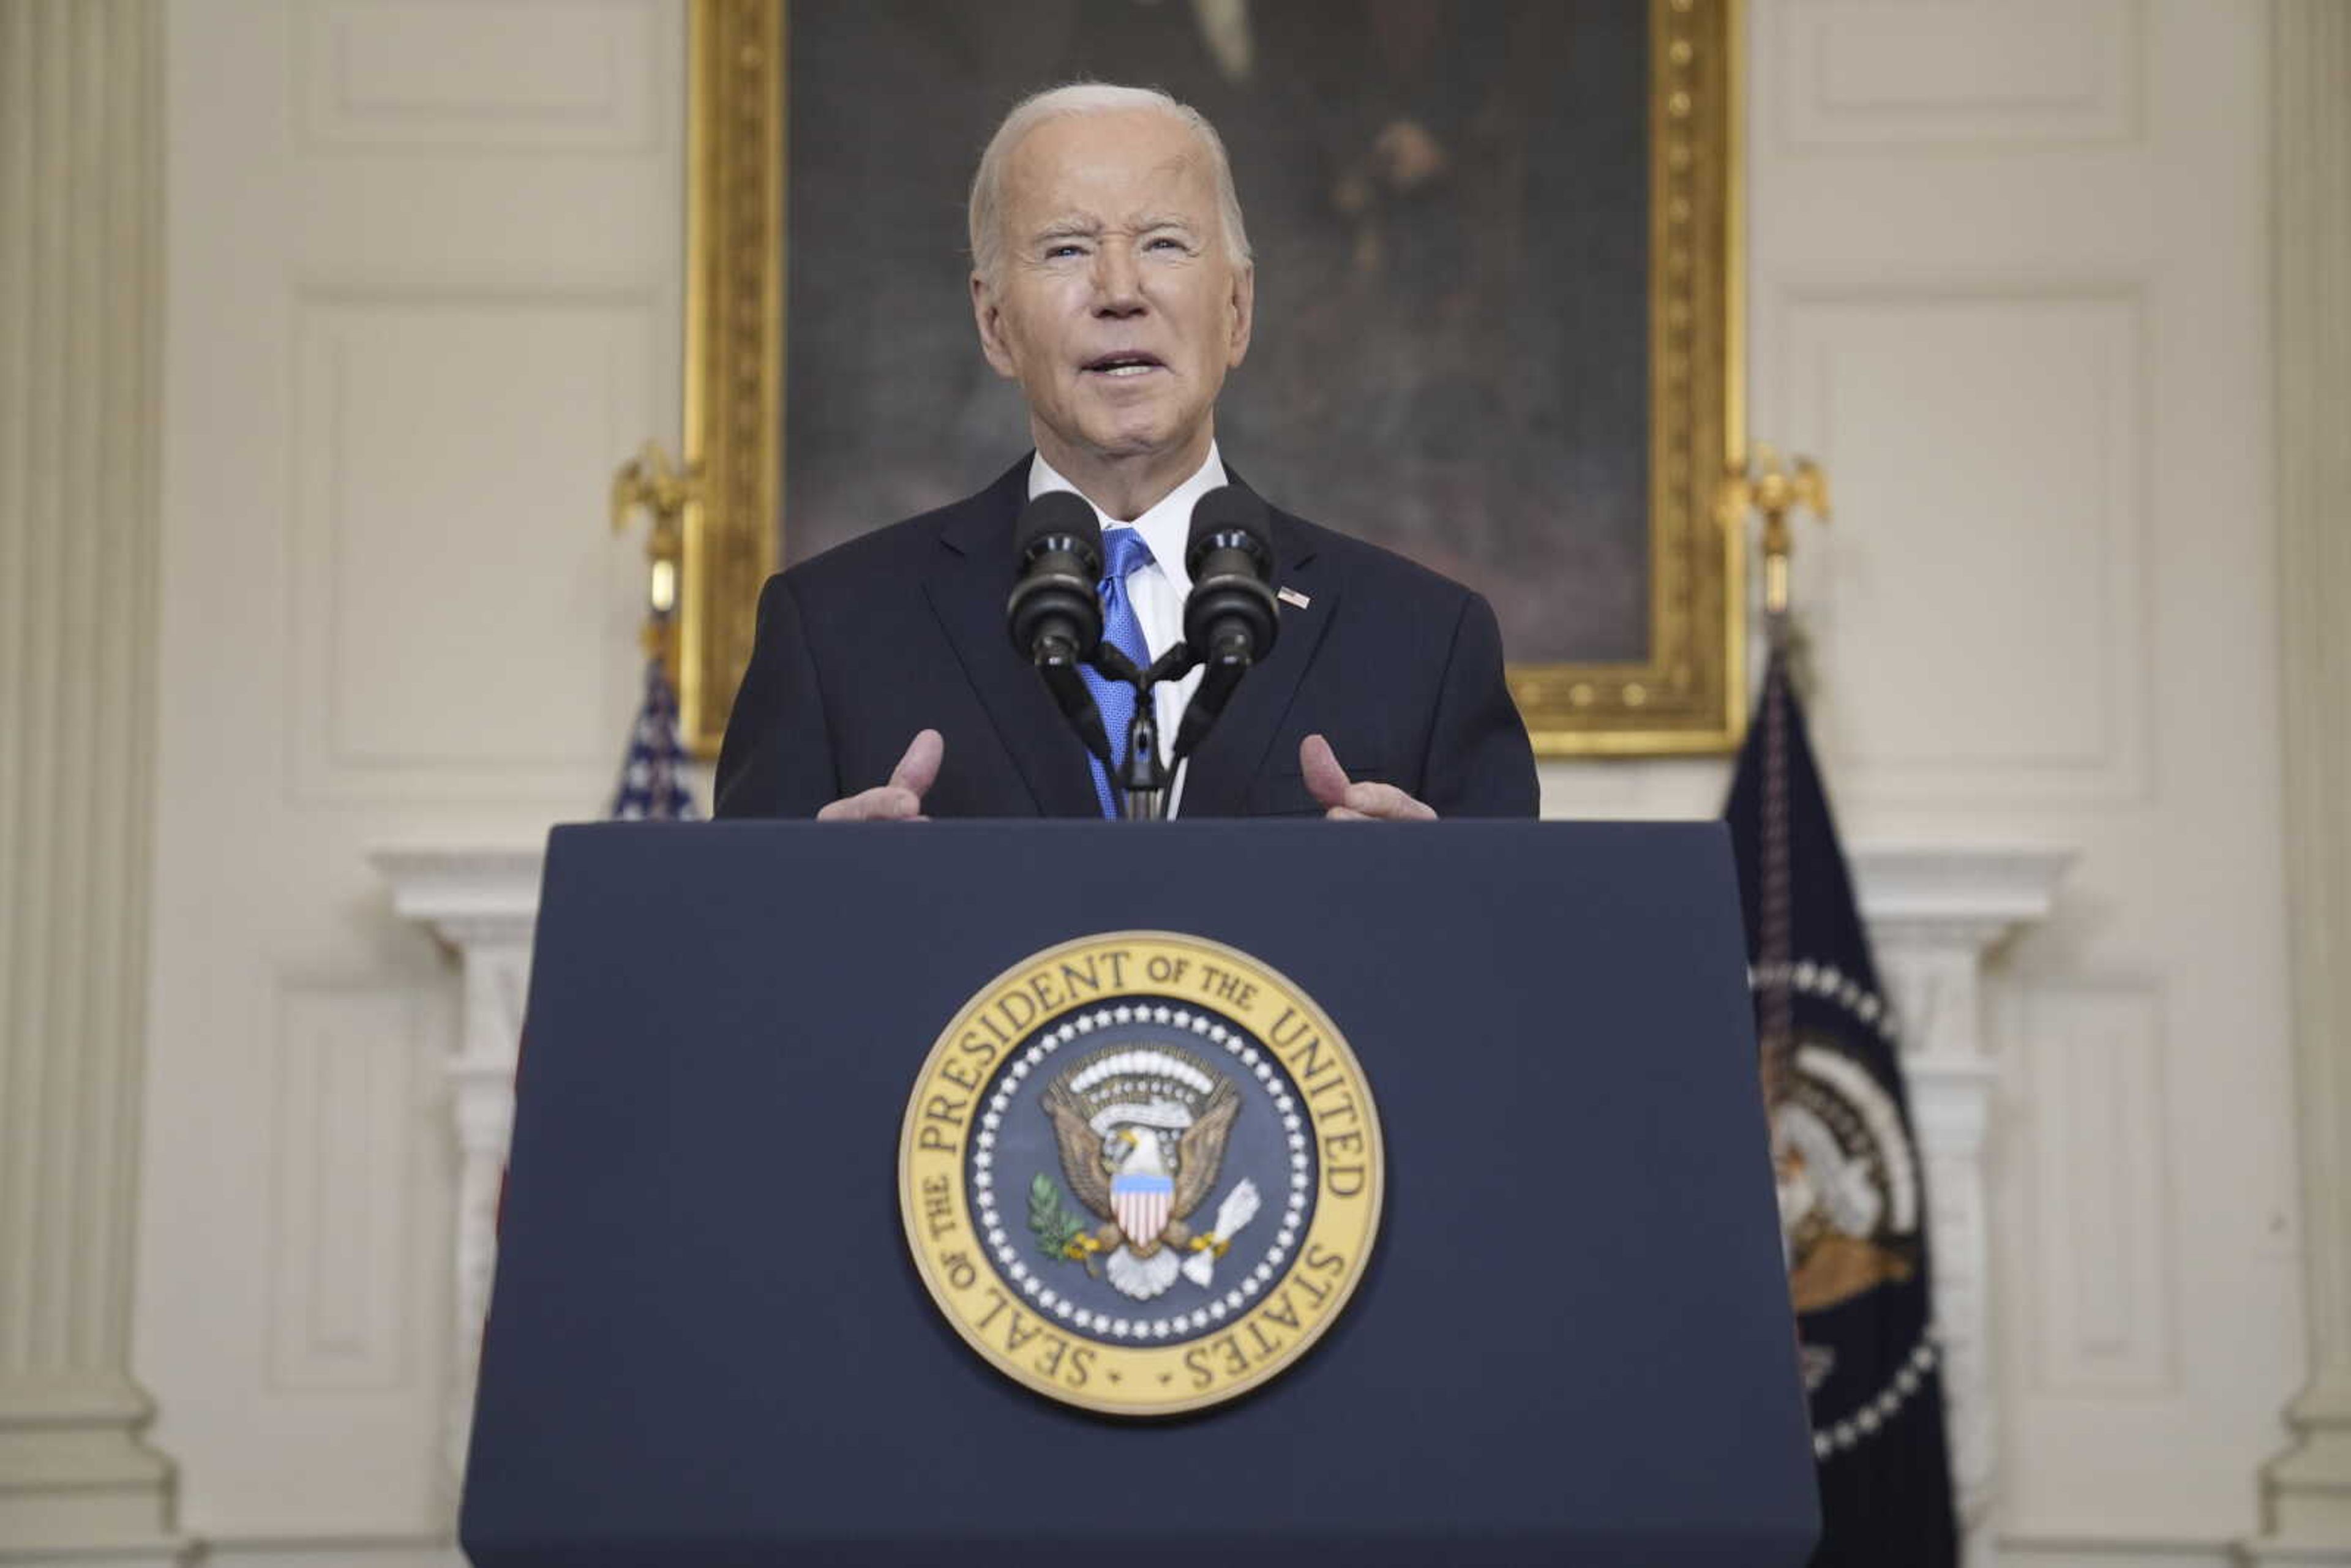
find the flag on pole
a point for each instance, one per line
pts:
(653, 776)
(1853, 1210)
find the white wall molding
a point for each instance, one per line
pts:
(2308, 1491)
(342, 1196)
(527, 76)
(2039, 377)
(1939, 892)
(482, 904)
(2038, 1552)
(1961, 74)
(81, 298)
(394, 468)
(2103, 1285)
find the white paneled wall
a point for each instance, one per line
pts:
(437, 433)
(1965, 75)
(423, 294)
(521, 76)
(2008, 280)
(1987, 443)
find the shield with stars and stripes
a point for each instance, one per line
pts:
(1141, 1204)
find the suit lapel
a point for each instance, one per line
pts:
(970, 578)
(1236, 751)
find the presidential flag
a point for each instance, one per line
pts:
(1853, 1211)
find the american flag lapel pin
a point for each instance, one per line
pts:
(1294, 598)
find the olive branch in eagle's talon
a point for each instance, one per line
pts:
(1062, 1233)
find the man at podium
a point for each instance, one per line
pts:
(1113, 283)
(1143, 1173)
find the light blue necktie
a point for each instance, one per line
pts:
(1127, 552)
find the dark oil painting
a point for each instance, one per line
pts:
(1448, 207)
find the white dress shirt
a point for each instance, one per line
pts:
(1158, 591)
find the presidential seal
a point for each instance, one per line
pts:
(1852, 1212)
(1141, 1173)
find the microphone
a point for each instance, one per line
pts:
(1054, 616)
(1231, 620)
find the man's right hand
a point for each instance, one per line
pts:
(901, 799)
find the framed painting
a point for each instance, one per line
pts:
(1498, 319)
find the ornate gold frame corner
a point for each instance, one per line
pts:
(1689, 695)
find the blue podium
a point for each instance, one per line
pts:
(710, 1344)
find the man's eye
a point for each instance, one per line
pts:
(1058, 252)
(1164, 242)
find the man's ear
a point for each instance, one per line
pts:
(985, 316)
(1244, 313)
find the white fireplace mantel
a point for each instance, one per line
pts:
(483, 904)
(1935, 912)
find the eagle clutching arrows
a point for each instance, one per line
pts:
(1141, 1134)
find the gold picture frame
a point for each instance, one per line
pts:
(1687, 695)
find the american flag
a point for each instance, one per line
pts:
(653, 779)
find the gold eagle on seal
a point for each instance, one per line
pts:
(1141, 1132)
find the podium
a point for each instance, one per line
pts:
(709, 1344)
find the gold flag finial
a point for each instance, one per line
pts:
(663, 490)
(1764, 486)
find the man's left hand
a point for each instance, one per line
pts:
(1342, 800)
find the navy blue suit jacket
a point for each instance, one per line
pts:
(903, 628)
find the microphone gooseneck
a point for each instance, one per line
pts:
(1231, 620)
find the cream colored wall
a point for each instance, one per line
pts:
(2008, 281)
(424, 291)
(2011, 285)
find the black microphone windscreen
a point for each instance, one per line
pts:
(1056, 512)
(1227, 508)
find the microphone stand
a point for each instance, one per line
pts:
(1142, 783)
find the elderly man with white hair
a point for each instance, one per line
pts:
(1113, 283)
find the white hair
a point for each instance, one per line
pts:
(1089, 98)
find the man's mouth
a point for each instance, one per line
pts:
(1125, 365)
